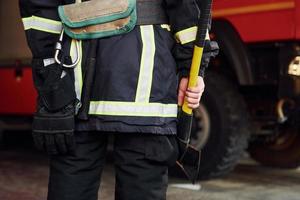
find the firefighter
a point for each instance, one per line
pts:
(133, 96)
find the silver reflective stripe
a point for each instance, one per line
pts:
(147, 64)
(48, 61)
(42, 24)
(78, 68)
(132, 109)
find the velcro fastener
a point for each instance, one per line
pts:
(59, 122)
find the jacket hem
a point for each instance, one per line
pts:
(120, 127)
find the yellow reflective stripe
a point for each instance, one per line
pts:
(188, 35)
(132, 109)
(147, 64)
(267, 7)
(166, 26)
(78, 69)
(42, 24)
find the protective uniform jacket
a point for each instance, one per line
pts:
(136, 74)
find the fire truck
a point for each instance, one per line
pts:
(251, 101)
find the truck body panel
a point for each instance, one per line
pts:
(18, 94)
(259, 20)
(297, 19)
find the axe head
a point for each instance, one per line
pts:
(189, 163)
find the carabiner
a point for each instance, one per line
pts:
(58, 48)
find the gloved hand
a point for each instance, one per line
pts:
(54, 120)
(53, 132)
(184, 62)
(211, 50)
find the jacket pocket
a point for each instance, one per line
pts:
(159, 149)
(162, 149)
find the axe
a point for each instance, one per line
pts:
(189, 157)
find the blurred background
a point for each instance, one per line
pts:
(247, 125)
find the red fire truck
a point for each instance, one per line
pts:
(252, 92)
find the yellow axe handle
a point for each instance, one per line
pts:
(196, 63)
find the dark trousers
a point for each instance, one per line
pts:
(141, 167)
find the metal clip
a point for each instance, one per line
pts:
(58, 49)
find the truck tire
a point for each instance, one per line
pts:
(220, 128)
(282, 151)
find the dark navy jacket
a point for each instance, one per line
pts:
(136, 75)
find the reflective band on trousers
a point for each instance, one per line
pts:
(132, 109)
(42, 24)
(188, 35)
(78, 68)
(147, 63)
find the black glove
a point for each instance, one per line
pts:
(54, 121)
(54, 84)
(211, 50)
(53, 132)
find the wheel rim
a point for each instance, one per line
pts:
(201, 127)
(284, 140)
(281, 151)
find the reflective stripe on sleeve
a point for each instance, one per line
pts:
(147, 63)
(188, 35)
(42, 24)
(132, 109)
